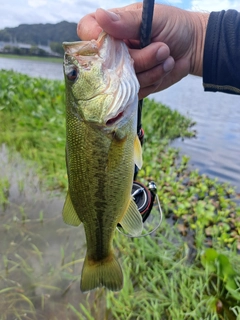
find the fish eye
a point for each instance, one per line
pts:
(72, 74)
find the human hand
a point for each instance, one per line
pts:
(176, 47)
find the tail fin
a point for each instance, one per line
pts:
(106, 272)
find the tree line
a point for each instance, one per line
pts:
(48, 34)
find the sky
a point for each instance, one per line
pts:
(15, 12)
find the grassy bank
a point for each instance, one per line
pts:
(189, 269)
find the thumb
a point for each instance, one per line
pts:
(120, 24)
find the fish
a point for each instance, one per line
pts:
(102, 148)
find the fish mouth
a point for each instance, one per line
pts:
(114, 119)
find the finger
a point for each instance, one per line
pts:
(88, 28)
(150, 56)
(156, 87)
(154, 75)
(162, 84)
(180, 70)
(120, 24)
(144, 92)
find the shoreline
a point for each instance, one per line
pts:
(29, 57)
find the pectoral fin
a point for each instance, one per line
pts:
(132, 220)
(138, 152)
(69, 214)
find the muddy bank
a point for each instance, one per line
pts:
(40, 257)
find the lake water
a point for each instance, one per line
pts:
(216, 149)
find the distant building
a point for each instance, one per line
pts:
(26, 49)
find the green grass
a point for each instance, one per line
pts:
(189, 269)
(32, 122)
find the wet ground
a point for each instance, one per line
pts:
(40, 257)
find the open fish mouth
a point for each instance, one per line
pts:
(102, 71)
(115, 119)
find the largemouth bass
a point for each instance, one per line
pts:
(101, 150)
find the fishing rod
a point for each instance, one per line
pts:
(145, 40)
(144, 206)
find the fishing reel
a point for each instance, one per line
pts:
(144, 197)
(148, 204)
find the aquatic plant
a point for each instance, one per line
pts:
(4, 191)
(171, 275)
(32, 123)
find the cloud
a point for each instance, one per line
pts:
(68, 1)
(215, 5)
(48, 11)
(51, 11)
(36, 3)
(15, 12)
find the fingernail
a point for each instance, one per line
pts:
(113, 15)
(168, 64)
(162, 53)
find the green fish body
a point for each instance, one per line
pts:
(101, 150)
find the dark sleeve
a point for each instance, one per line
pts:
(221, 60)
